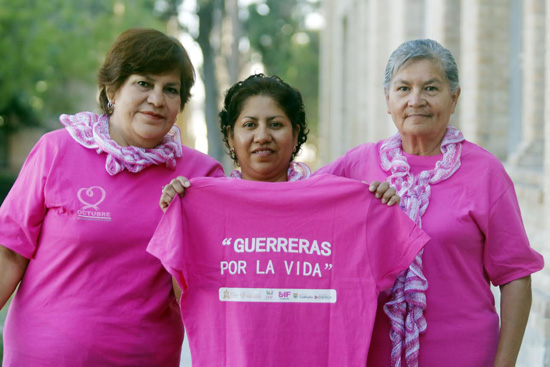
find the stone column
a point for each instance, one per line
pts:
(361, 74)
(329, 87)
(547, 118)
(443, 25)
(351, 117)
(484, 105)
(531, 149)
(378, 21)
(443, 19)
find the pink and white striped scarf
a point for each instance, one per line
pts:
(297, 171)
(408, 298)
(92, 132)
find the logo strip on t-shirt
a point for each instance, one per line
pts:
(283, 295)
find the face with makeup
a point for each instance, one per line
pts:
(263, 139)
(145, 109)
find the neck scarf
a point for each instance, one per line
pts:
(408, 296)
(92, 132)
(297, 171)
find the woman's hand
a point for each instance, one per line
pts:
(385, 192)
(176, 187)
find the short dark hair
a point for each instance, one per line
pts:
(144, 51)
(287, 98)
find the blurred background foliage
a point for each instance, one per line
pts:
(51, 51)
(288, 47)
(234, 36)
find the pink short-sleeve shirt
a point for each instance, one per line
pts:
(91, 295)
(477, 237)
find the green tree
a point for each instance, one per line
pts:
(210, 14)
(277, 30)
(51, 51)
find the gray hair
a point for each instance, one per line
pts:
(423, 49)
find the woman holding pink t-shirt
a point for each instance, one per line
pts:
(263, 122)
(77, 221)
(442, 312)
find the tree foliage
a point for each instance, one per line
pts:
(51, 51)
(277, 30)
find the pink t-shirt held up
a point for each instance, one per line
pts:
(91, 295)
(477, 237)
(282, 274)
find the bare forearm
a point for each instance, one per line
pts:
(177, 289)
(515, 305)
(12, 268)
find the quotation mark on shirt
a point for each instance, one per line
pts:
(328, 266)
(226, 242)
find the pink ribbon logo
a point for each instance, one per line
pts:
(95, 193)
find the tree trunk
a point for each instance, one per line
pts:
(209, 18)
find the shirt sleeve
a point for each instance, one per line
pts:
(216, 170)
(167, 242)
(336, 168)
(355, 163)
(393, 241)
(507, 253)
(23, 210)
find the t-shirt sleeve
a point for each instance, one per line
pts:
(23, 210)
(353, 164)
(393, 241)
(507, 253)
(336, 168)
(196, 164)
(215, 170)
(167, 242)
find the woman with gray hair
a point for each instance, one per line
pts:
(476, 239)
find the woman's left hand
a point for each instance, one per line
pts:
(383, 191)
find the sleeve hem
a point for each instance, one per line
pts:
(515, 276)
(413, 248)
(18, 250)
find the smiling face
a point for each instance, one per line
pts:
(421, 104)
(263, 140)
(146, 107)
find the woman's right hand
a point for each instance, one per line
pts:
(384, 192)
(176, 187)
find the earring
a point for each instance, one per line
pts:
(232, 154)
(111, 105)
